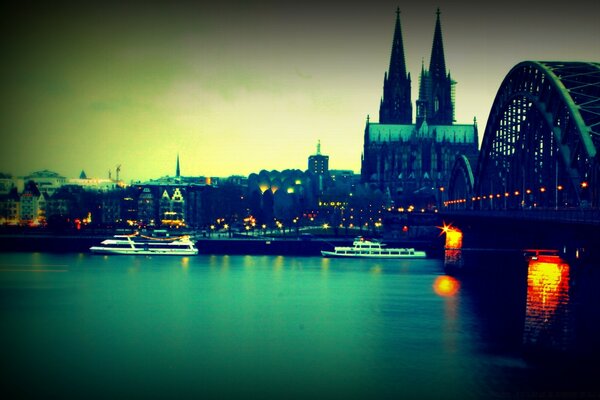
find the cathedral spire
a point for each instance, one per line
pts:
(396, 107)
(439, 101)
(422, 82)
(422, 101)
(437, 63)
(397, 61)
(177, 171)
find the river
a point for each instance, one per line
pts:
(82, 325)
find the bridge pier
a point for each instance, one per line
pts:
(573, 240)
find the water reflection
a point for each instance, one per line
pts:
(278, 263)
(446, 286)
(185, 263)
(548, 317)
(376, 269)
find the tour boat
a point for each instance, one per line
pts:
(372, 249)
(146, 245)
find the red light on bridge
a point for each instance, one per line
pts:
(584, 184)
(506, 194)
(528, 191)
(498, 195)
(516, 193)
(453, 236)
(559, 187)
(542, 189)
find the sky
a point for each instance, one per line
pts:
(235, 87)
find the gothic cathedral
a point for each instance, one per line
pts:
(407, 160)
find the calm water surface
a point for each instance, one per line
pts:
(79, 325)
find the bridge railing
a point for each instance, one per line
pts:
(589, 216)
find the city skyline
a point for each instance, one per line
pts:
(236, 88)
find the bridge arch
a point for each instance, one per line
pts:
(540, 146)
(460, 185)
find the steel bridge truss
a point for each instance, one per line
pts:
(540, 143)
(460, 185)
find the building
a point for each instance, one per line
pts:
(172, 207)
(147, 212)
(318, 165)
(414, 160)
(10, 207)
(46, 181)
(30, 207)
(95, 184)
(7, 184)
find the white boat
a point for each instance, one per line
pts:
(146, 245)
(372, 249)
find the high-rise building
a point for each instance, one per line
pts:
(318, 163)
(407, 159)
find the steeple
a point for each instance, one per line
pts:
(397, 61)
(437, 63)
(439, 103)
(396, 107)
(319, 147)
(177, 171)
(423, 95)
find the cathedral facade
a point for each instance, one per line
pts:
(407, 159)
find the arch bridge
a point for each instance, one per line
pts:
(540, 146)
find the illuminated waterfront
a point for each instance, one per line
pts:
(281, 327)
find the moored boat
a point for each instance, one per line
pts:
(146, 245)
(362, 248)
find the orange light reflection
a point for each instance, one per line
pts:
(446, 286)
(548, 282)
(547, 320)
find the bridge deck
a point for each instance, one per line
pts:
(570, 216)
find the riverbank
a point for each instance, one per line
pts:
(252, 246)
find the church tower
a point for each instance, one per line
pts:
(435, 103)
(396, 106)
(409, 161)
(424, 90)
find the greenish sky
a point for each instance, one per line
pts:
(238, 87)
